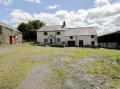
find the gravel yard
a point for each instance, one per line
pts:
(33, 67)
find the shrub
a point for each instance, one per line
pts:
(0, 42)
(87, 46)
(57, 45)
(118, 60)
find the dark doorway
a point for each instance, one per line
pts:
(10, 40)
(51, 41)
(71, 43)
(92, 43)
(80, 43)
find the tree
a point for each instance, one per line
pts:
(29, 29)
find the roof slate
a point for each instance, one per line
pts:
(70, 31)
(51, 28)
(7, 26)
(81, 31)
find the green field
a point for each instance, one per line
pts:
(16, 61)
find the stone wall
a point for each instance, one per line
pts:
(6, 33)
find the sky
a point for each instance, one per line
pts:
(104, 14)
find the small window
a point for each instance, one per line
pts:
(58, 33)
(71, 37)
(92, 36)
(45, 33)
(45, 40)
(58, 39)
(0, 30)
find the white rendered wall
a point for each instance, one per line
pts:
(41, 36)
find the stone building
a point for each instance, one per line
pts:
(9, 35)
(71, 37)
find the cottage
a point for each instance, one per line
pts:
(71, 37)
(9, 35)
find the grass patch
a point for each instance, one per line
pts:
(16, 62)
(59, 72)
(108, 70)
(11, 76)
(104, 68)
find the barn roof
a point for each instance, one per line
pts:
(51, 28)
(7, 26)
(81, 31)
(109, 33)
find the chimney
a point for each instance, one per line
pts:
(64, 24)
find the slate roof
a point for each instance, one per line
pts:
(81, 31)
(7, 26)
(51, 28)
(70, 31)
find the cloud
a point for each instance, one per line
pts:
(52, 7)
(105, 17)
(6, 2)
(19, 16)
(34, 1)
(100, 3)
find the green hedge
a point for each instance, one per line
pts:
(0, 42)
(57, 45)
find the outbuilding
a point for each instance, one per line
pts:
(9, 35)
(110, 40)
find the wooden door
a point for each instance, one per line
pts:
(81, 43)
(71, 43)
(10, 40)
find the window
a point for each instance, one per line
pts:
(58, 33)
(71, 37)
(45, 33)
(92, 36)
(45, 40)
(58, 39)
(0, 30)
(92, 43)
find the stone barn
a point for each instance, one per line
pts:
(9, 35)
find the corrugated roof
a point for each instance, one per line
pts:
(108, 33)
(51, 28)
(81, 31)
(7, 26)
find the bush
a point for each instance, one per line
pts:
(0, 42)
(87, 46)
(57, 45)
(118, 60)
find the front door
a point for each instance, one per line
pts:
(51, 41)
(10, 40)
(93, 43)
(81, 43)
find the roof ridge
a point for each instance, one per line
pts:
(52, 25)
(8, 26)
(81, 27)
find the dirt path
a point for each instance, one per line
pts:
(38, 78)
(75, 78)
(4, 48)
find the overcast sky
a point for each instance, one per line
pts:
(76, 13)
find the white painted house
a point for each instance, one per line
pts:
(83, 36)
